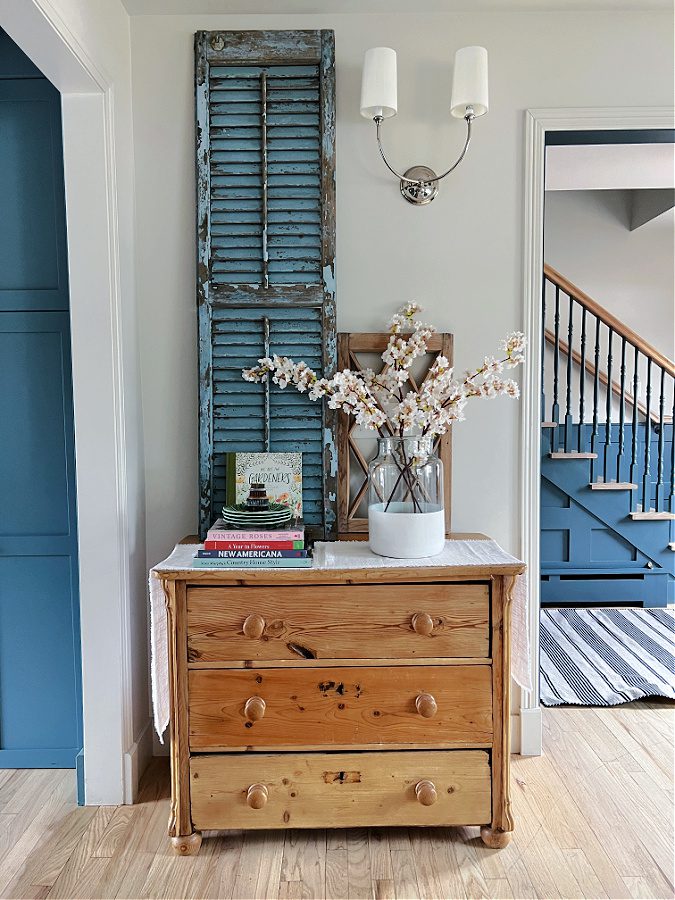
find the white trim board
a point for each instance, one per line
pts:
(537, 123)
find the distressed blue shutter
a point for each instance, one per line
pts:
(266, 248)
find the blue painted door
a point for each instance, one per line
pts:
(40, 670)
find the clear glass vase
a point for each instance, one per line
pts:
(406, 518)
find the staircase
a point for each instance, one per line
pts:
(607, 457)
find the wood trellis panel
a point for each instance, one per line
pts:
(351, 491)
(266, 252)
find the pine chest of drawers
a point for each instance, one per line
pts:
(339, 697)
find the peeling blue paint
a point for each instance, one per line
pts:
(266, 232)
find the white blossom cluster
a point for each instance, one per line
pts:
(376, 400)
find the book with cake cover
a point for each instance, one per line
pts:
(279, 473)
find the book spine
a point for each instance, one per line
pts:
(252, 563)
(254, 545)
(255, 536)
(251, 554)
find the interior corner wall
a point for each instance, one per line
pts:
(460, 257)
(587, 238)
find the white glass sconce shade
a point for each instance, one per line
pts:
(378, 87)
(470, 82)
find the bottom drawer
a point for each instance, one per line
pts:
(336, 790)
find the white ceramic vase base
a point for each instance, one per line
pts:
(403, 534)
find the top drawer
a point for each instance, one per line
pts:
(383, 621)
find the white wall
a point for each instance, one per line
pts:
(631, 273)
(459, 257)
(587, 238)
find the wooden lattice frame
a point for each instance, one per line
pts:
(350, 345)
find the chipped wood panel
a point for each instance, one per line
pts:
(266, 233)
(341, 789)
(323, 622)
(339, 707)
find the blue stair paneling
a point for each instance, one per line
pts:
(592, 552)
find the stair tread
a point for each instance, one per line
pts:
(671, 546)
(612, 486)
(572, 455)
(651, 516)
(549, 424)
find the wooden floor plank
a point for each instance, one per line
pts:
(337, 881)
(594, 818)
(359, 875)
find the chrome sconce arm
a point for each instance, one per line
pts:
(419, 184)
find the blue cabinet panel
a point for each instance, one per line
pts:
(38, 671)
(33, 461)
(33, 257)
(40, 666)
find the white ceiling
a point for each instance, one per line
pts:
(385, 7)
(596, 167)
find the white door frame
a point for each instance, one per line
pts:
(90, 166)
(537, 123)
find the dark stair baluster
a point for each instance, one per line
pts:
(555, 410)
(646, 480)
(622, 402)
(581, 442)
(608, 408)
(568, 378)
(634, 436)
(596, 387)
(659, 464)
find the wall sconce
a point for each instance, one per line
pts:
(419, 184)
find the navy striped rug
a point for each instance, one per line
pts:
(602, 657)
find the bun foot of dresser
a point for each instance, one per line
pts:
(187, 844)
(495, 838)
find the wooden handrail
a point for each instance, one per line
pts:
(603, 379)
(617, 326)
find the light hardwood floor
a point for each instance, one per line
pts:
(594, 818)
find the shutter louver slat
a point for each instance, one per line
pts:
(239, 408)
(266, 237)
(281, 121)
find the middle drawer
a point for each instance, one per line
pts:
(275, 709)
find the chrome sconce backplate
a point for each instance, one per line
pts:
(419, 185)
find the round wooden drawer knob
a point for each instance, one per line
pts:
(256, 796)
(425, 791)
(254, 626)
(254, 709)
(426, 706)
(423, 624)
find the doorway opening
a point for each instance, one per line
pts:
(40, 659)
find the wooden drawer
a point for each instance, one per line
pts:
(342, 708)
(375, 621)
(339, 790)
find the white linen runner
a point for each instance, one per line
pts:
(339, 555)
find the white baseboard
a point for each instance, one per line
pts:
(515, 733)
(530, 732)
(136, 760)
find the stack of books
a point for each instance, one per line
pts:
(279, 548)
